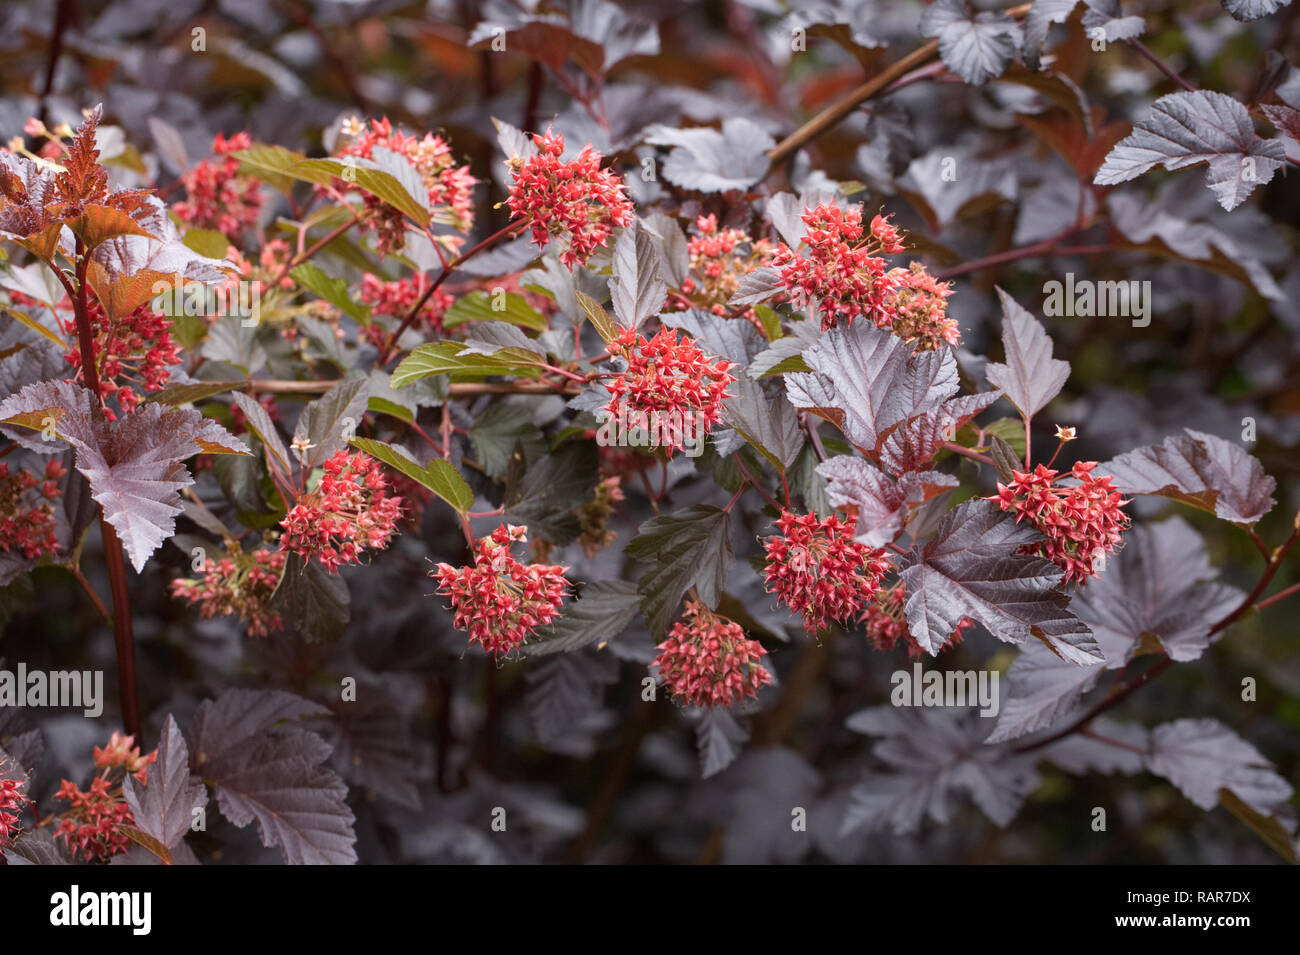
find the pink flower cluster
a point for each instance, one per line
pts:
(575, 199)
(719, 259)
(93, 826)
(12, 803)
(349, 512)
(122, 753)
(708, 661)
(886, 624)
(666, 383)
(240, 584)
(1083, 522)
(396, 299)
(842, 273)
(450, 187)
(500, 601)
(217, 197)
(817, 569)
(138, 349)
(26, 517)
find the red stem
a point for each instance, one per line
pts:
(123, 637)
(447, 269)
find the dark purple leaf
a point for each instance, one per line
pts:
(934, 755)
(972, 568)
(1159, 587)
(1184, 129)
(1198, 469)
(691, 548)
(1202, 756)
(866, 381)
(1031, 377)
(164, 806)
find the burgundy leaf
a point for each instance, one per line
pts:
(1031, 377)
(866, 381)
(164, 806)
(1159, 587)
(1198, 469)
(972, 568)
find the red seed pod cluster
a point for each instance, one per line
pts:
(217, 196)
(719, 259)
(26, 517)
(134, 353)
(450, 187)
(817, 569)
(920, 309)
(13, 801)
(576, 200)
(93, 826)
(708, 661)
(840, 270)
(500, 601)
(396, 299)
(351, 511)
(239, 584)
(669, 385)
(1083, 522)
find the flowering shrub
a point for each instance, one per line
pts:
(711, 382)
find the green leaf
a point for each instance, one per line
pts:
(605, 326)
(207, 242)
(448, 357)
(268, 163)
(438, 475)
(185, 394)
(478, 307)
(380, 184)
(279, 167)
(689, 549)
(332, 290)
(385, 400)
(770, 320)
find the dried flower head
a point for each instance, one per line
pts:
(920, 309)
